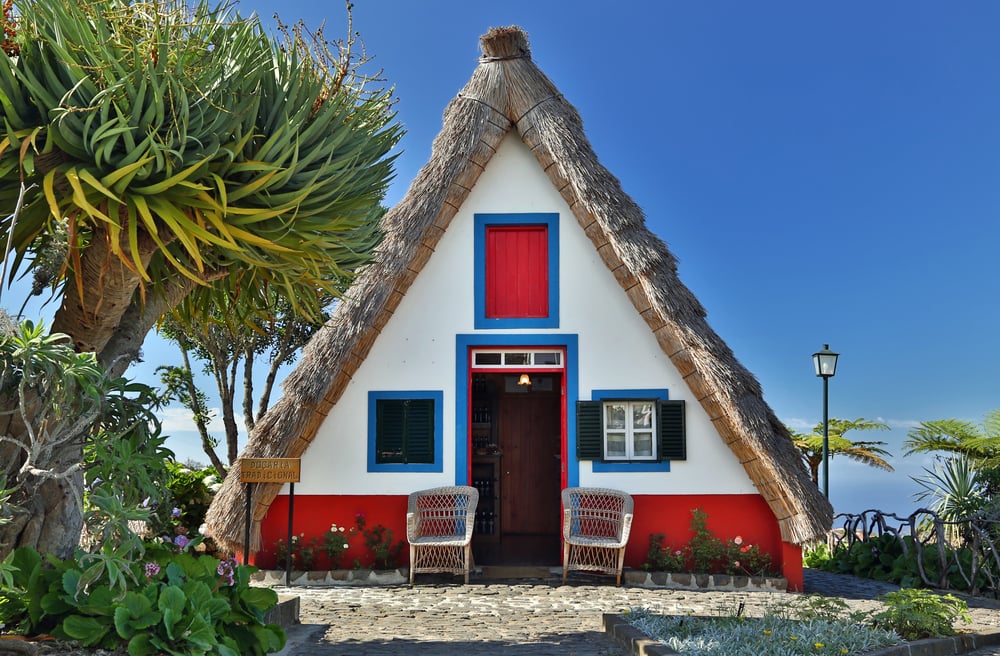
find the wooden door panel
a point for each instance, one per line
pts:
(530, 441)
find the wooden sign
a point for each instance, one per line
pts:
(269, 470)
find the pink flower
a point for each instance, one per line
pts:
(738, 540)
(677, 553)
(225, 570)
(746, 548)
(736, 563)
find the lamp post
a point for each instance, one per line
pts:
(825, 362)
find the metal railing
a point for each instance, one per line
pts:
(962, 555)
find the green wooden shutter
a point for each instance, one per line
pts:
(390, 431)
(420, 431)
(673, 442)
(589, 430)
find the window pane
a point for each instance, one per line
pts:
(517, 358)
(643, 443)
(487, 358)
(616, 445)
(615, 415)
(547, 358)
(642, 415)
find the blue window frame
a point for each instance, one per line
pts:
(484, 221)
(389, 419)
(630, 466)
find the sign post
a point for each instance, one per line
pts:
(270, 470)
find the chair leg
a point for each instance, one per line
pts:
(468, 562)
(565, 560)
(621, 564)
(413, 561)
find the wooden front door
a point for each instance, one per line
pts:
(530, 440)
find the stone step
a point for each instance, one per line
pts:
(286, 613)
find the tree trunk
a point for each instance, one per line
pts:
(51, 518)
(99, 294)
(199, 413)
(50, 510)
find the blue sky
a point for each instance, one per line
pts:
(825, 173)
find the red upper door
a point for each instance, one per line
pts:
(517, 271)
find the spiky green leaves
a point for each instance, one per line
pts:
(195, 144)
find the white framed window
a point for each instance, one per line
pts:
(630, 430)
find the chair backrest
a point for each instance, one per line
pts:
(595, 511)
(444, 511)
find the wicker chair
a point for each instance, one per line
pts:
(439, 524)
(596, 525)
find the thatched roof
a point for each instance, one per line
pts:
(508, 93)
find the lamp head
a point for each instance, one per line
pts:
(825, 362)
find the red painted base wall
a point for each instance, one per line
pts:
(747, 516)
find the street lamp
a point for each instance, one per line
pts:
(825, 362)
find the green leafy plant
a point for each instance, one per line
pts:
(817, 556)
(191, 492)
(302, 552)
(378, 539)
(663, 558)
(915, 613)
(743, 558)
(185, 605)
(336, 541)
(707, 554)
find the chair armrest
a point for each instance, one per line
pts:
(412, 526)
(567, 521)
(626, 528)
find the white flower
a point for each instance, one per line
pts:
(341, 529)
(203, 529)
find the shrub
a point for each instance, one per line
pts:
(335, 542)
(384, 552)
(915, 613)
(661, 558)
(707, 554)
(183, 605)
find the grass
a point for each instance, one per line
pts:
(809, 627)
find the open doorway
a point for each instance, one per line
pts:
(517, 465)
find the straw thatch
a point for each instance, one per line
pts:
(507, 93)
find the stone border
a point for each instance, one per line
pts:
(640, 644)
(317, 578)
(682, 581)
(636, 578)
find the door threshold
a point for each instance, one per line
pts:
(500, 572)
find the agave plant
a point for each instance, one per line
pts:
(952, 488)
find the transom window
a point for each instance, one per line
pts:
(518, 359)
(630, 430)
